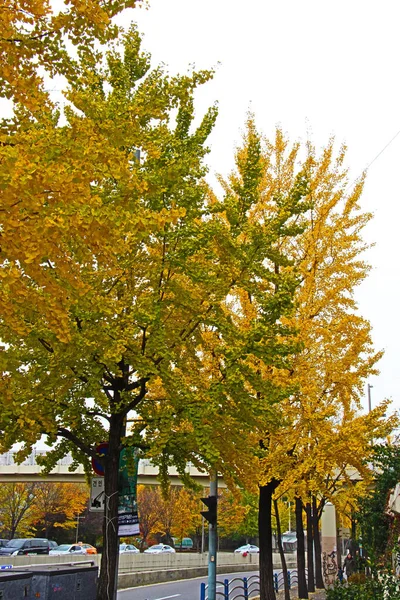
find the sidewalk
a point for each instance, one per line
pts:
(319, 595)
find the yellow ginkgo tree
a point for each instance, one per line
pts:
(119, 268)
(302, 440)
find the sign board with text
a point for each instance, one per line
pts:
(97, 495)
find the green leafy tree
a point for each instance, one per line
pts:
(105, 257)
(378, 528)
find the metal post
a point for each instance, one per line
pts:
(226, 589)
(245, 589)
(276, 583)
(202, 591)
(289, 580)
(202, 535)
(369, 387)
(212, 544)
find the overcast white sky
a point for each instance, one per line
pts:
(329, 67)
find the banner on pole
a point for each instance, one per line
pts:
(128, 520)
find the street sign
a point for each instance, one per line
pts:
(98, 468)
(3, 567)
(97, 495)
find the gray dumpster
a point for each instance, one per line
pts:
(15, 585)
(63, 582)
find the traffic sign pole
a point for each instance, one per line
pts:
(212, 544)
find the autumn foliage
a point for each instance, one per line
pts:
(223, 324)
(29, 509)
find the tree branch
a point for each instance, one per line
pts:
(46, 345)
(137, 398)
(71, 437)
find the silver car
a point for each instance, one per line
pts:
(67, 549)
(248, 549)
(160, 549)
(128, 549)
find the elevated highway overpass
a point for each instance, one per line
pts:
(29, 470)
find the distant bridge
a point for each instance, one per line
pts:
(29, 471)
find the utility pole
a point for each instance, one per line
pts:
(369, 387)
(211, 516)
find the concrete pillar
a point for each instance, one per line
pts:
(328, 543)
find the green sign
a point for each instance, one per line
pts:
(128, 520)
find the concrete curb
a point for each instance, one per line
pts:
(127, 580)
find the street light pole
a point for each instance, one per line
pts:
(77, 528)
(369, 397)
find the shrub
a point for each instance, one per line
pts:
(383, 587)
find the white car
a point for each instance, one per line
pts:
(69, 549)
(248, 549)
(128, 549)
(160, 549)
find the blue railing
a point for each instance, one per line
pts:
(238, 587)
(292, 580)
(246, 587)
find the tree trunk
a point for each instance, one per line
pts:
(267, 591)
(310, 549)
(319, 580)
(301, 560)
(281, 552)
(109, 559)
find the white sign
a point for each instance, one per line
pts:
(97, 495)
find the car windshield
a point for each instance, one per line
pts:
(64, 547)
(15, 543)
(158, 547)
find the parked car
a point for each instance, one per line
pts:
(89, 549)
(128, 549)
(25, 546)
(3, 543)
(247, 549)
(64, 549)
(52, 545)
(160, 549)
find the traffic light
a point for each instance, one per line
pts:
(211, 514)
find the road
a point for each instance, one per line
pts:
(186, 589)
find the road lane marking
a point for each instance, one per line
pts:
(166, 597)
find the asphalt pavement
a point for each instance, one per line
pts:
(186, 589)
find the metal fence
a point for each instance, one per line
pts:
(7, 459)
(247, 587)
(238, 587)
(292, 579)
